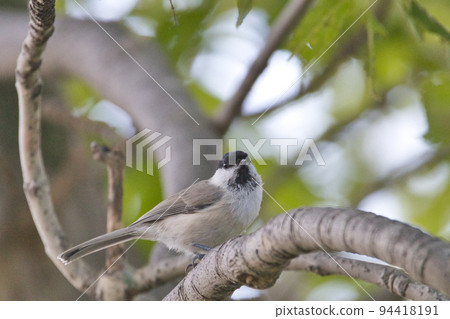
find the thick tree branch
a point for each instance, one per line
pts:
(291, 15)
(36, 186)
(393, 279)
(256, 260)
(102, 58)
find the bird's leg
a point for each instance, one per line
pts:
(203, 247)
(197, 257)
(195, 262)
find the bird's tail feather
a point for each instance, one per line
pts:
(97, 243)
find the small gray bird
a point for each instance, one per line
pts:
(197, 218)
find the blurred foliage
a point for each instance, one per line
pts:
(436, 97)
(407, 47)
(141, 192)
(207, 102)
(244, 7)
(322, 26)
(427, 22)
(80, 96)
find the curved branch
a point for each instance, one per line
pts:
(291, 15)
(393, 279)
(128, 85)
(82, 49)
(257, 260)
(36, 186)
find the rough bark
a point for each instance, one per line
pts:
(115, 163)
(82, 49)
(393, 279)
(257, 260)
(36, 186)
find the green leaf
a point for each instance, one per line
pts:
(181, 42)
(432, 25)
(244, 7)
(436, 98)
(322, 26)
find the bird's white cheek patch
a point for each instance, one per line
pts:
(221, 177)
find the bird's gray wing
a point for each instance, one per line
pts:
(195, 198)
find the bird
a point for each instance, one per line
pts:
(197, 218)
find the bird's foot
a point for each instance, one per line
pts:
(198, 257)
(195, 262)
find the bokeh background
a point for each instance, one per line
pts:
(380, 116)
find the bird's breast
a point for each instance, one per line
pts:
(245, 205)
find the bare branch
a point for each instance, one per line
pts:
(36, 186)
(393, 279)
(344, 51)
(347, 50)
(291, 15)
(115, 163)
(257, 260)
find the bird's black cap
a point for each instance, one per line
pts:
(231, 159)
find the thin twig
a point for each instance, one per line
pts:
(291, 15)
(36, 185)
(115, 163)
(393, 279)
(347, 50)
(175, 20)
